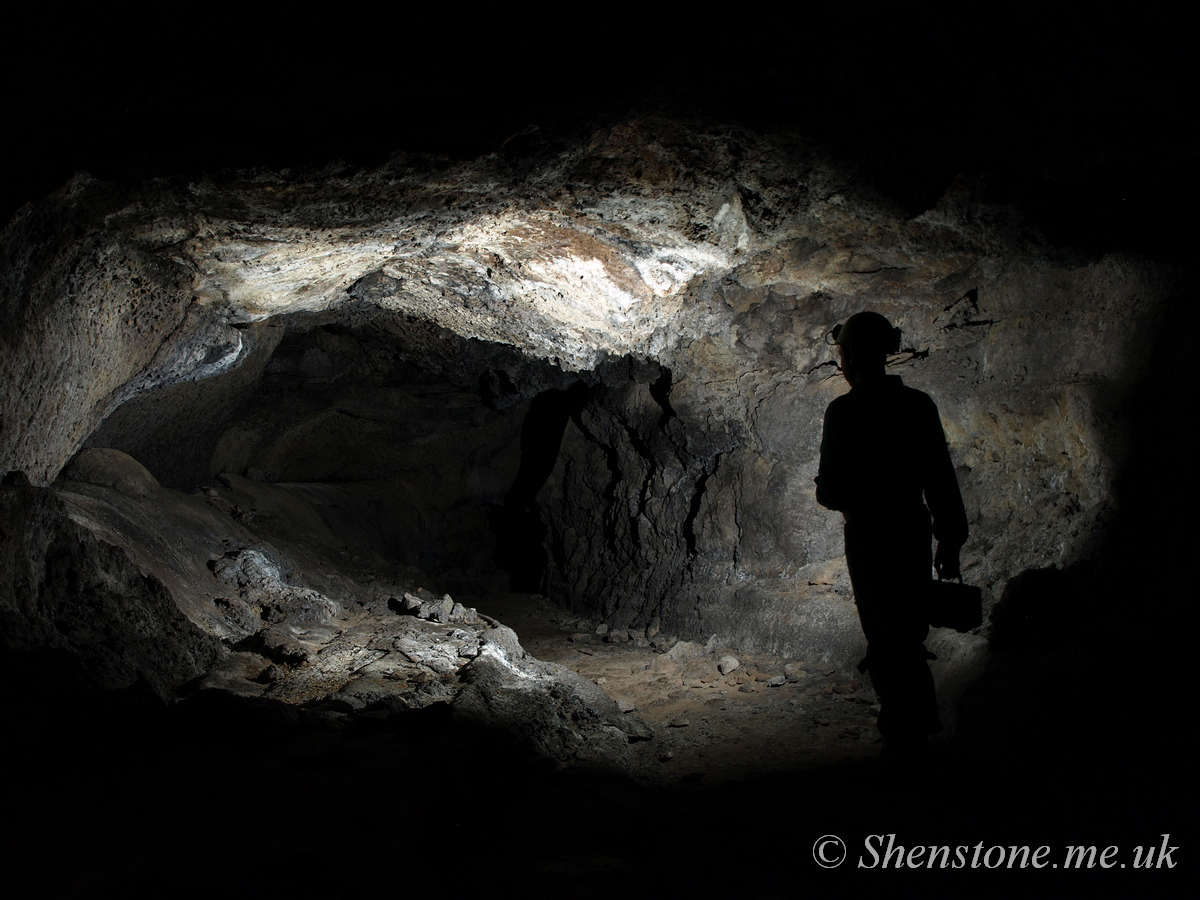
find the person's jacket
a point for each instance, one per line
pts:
(882, 450)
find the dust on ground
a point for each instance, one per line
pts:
(769, 714)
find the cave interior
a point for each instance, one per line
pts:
(385, 507)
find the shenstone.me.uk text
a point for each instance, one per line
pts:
(883, 851)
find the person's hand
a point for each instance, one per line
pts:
(945, 561)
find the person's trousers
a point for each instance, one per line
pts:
(890, 569)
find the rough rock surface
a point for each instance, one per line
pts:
(675, 284)
(77, 613)
(97, 597)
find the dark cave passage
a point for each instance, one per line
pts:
(518, 526)
(400, 440)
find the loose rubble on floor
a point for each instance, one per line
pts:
(573, 691)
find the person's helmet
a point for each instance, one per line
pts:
(868, 332)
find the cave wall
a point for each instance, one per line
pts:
(80, 611)
(708, 519)
(86, 311)
(684, 273)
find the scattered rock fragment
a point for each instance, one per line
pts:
(444, 609)
(411, 604)
(727, 664)
(794, 672)
(685, 650)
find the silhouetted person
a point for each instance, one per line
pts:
(883, 458)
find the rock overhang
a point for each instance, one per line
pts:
(546, 284)
(551, 273)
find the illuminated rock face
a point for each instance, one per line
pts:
(665, 288)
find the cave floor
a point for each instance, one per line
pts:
(123, 796)
(708, 726)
